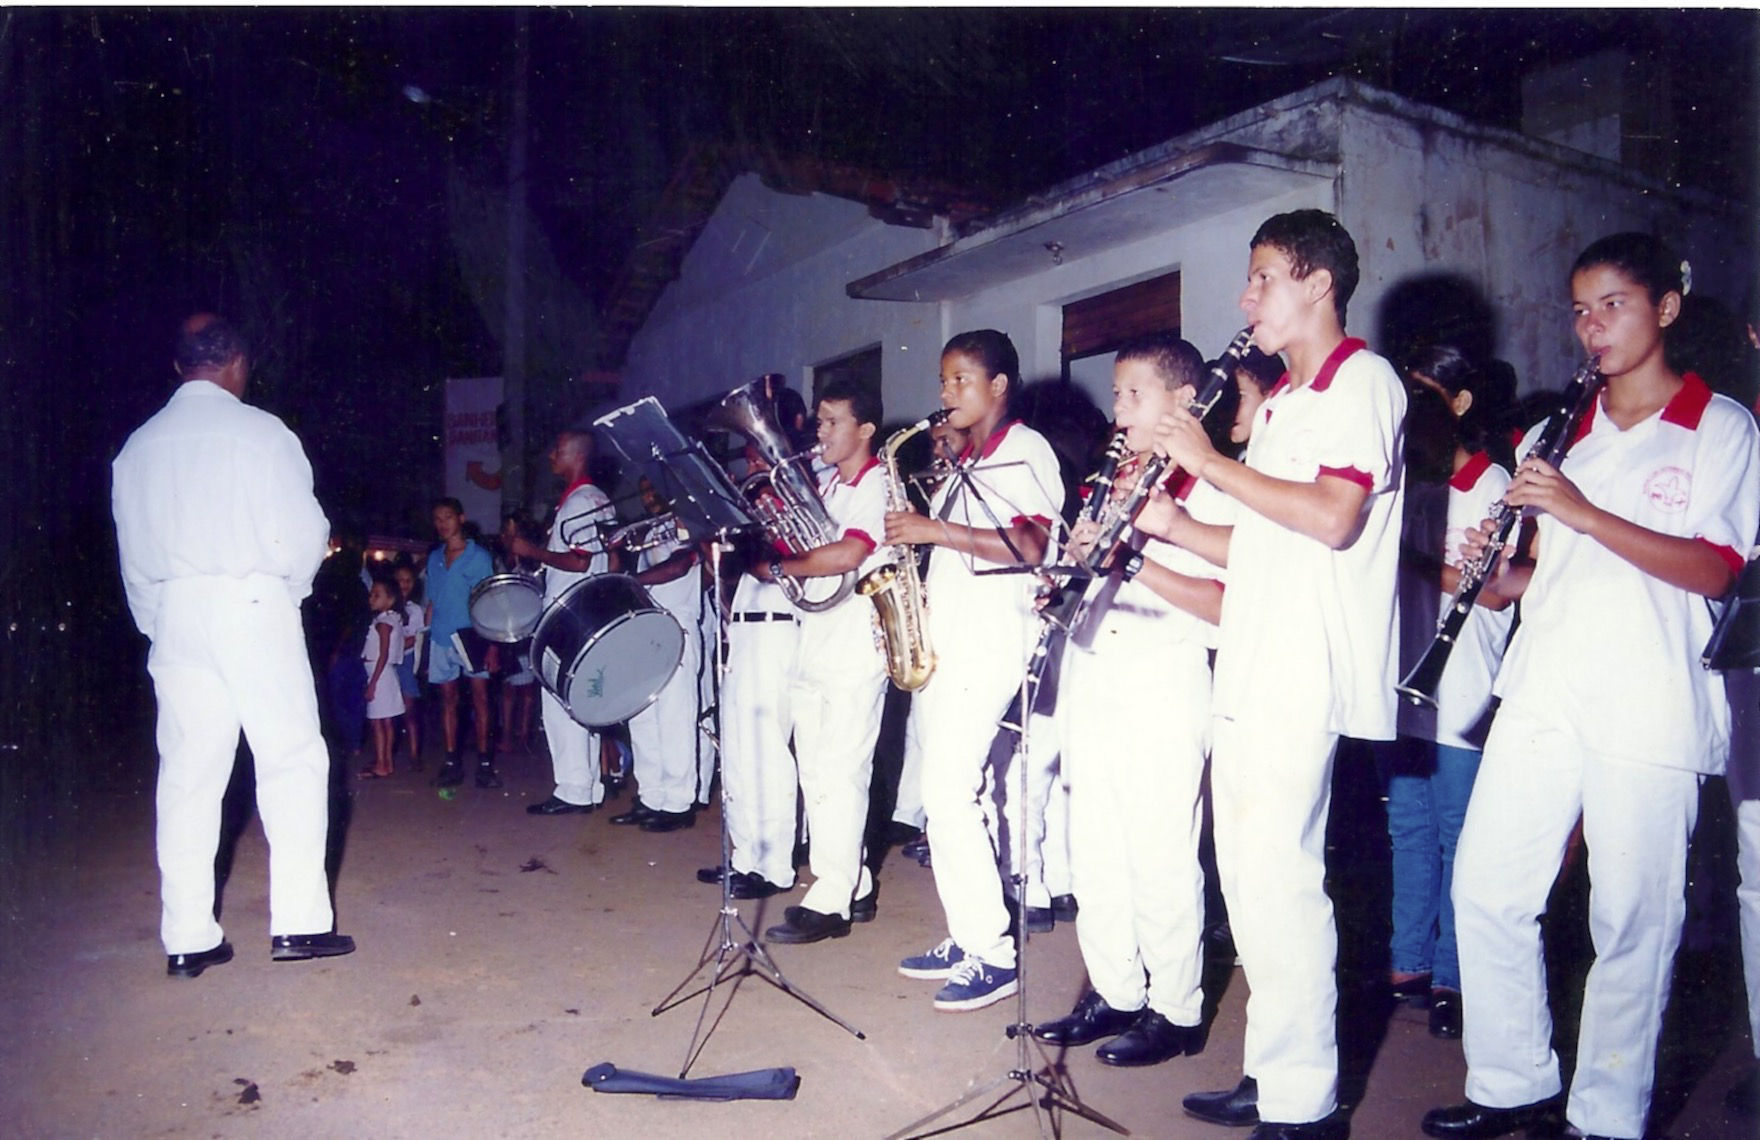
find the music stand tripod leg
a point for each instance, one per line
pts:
(749, 955)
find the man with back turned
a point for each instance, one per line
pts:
(220, 537)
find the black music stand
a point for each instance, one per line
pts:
(711, 510)
(1042, 1079)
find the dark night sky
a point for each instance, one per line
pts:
(265, 163)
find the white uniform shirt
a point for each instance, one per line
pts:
(1314, 626)
(583, 504)
(683, 596)
(415, 625)
(1018, 478)
(1121, 612)
(841, 639)
(211, 486)
(1608, 649)
(1437, 518)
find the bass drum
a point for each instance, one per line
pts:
(505, 607)
(605, 650)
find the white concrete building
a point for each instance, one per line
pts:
(788, 283)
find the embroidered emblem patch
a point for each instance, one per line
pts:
(1669, 488)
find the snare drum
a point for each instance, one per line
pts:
(605, 650)
(505, 607)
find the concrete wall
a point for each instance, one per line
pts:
(762, 290)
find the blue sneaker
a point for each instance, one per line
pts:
(976, 984)
(936, 964)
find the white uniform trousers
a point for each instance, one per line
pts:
(574, 753)
(1136, 764)
(708, 692)
(907, 808)
(1043, 852)
(1744, 788)
(836, 724)
(229, 653)
(1637, 819)
(955, 718)
(664, 738)
(1748, 903)
(1271, 789)
(758, 775)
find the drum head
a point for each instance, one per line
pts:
(623, 668)
(505, 607)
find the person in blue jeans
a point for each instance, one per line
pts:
(1452, 480)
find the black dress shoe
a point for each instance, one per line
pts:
(1063, 908)
(917, 848)
(1470, 1121)
(1412, 991)
(451, 773)
(637, 813)
(866, 908)
(1333, 1127)
(1150, 1040)
(751, 885)
(1445, 1014)
(192, 965)
(487, 776)
(1236, 1107)
(558, 806)
(711, 875)
(299, 947)
(1091, 1020)
(801, 925)
(669, 820)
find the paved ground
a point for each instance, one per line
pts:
(502, 955)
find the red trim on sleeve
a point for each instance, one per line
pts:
(1186, 482)
(1732, 558)
(1468, 475)
(862, 535)
(1350, 475)
(1346, 348)
(1039, 520)
(1688, 406)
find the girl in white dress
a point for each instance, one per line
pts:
(382, 653)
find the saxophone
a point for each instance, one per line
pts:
(896, 589)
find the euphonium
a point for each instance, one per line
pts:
(797, 519)
(896, 589)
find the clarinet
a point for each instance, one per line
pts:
(1215, 382)
(1067, 599)
(1554, 440)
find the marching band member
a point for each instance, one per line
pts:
(1606, 712)
(1135, 736)
(1308, 616)
(574, 748)
(664, 736)
(994, 512)
(839, 683)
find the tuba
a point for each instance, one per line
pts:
(784, 499)
(896, 589)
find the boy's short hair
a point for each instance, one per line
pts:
(449, 503)
(208, 343)
(1175, 361)
(1314, 239)
(863, 400)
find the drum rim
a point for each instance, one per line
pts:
(506, 578)
(586, 647)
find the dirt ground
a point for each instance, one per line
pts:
(502, 955)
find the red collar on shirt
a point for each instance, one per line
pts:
(837, 476)
(583, 481)
(1689, 404)
(1468, 475)
(991, 444)
(1347, 348)
(1684, 409)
